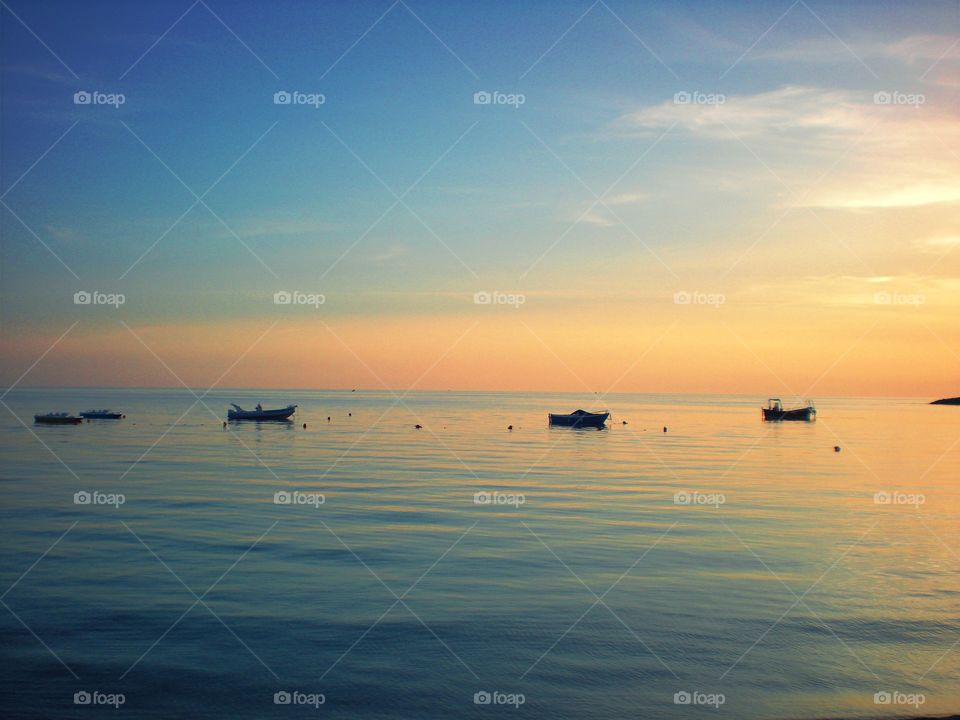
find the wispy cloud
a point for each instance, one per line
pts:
(879, 153)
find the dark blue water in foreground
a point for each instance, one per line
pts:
(778, 583)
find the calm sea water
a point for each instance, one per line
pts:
(587, 586)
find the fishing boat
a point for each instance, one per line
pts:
(61, 418)
(580, 418)
(259, 414)
(774, 411)
(101, 415)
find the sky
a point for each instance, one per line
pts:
(703, 197)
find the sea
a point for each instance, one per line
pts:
(687, 561)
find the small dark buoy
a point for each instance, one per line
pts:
(624, 422)
(224, 424)
(509, 427)
(836, 448)
(328, 418)
(418, 427)
(349, 414)
(124, 417)
(304, 426)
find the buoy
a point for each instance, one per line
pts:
(418, 427)
(349, 414)
(664, 428)
(836, 448)
(224, 424)
(304, 426)
(509, 427)
(624, 422)
(328, 418)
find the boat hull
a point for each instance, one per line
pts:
(56, 420)
(262, 415)
(806, 414)
(100, 416)
(575, 420)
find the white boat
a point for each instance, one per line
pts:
(259, 414)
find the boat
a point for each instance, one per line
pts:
(61, 418)
(259, 414)
(774, 411)
(100, 415)
(580, 418)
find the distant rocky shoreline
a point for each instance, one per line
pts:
(947, 401)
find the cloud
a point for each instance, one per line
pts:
(913, 49)
(832, 148)
(283, 224)
(629, 198)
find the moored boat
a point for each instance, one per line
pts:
(100, 415)
(259, 414)
(579, 418)
(61, 418)
(775, 411)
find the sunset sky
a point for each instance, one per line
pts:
(752, 197)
